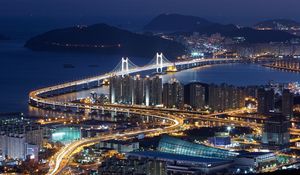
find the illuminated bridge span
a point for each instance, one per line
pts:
(158, 63)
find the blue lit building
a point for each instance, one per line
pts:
(177, 146)
(66, 134)
(183, 157)
(220, 139)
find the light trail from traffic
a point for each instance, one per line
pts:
(68, 149)
(61, 158)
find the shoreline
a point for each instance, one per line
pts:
(281, 68)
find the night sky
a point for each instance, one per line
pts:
(41, 15)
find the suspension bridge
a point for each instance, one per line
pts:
(124, 67)
(159, 62)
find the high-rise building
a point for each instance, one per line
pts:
(15, 146)
(136, 90)
(265, 100)
(115, 92)
(213, 97)
(153, 91)
(276, 131)
(127, 89)
(194, 95)
(224, 97)
(147, 90)
(156, 91)
(287, 103)
(20, 138)
(138, 94)
(121, 89)
(167, 95)
(173, 94)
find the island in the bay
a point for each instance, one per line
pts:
(104, 39)
(172, 34)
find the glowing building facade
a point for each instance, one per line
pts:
(177, 146)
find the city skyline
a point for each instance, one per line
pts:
(149, 87)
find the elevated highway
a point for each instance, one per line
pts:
(36, 97)
(60, 160)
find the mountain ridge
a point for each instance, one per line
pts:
(176, 22)
(274, 22)
(166, 21)
(104, 39)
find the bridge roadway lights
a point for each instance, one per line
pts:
(35, 95)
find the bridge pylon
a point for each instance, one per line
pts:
(125, 67)
(159, 62)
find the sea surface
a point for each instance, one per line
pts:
(22, 70)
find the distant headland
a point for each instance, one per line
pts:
(104, 39)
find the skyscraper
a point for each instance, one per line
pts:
(224, 97)
(20, 138)
(138, 94)
(287, 103)
(276, 131)
(153, 91)
(173, 94)
(147, 89)
(167, 95)
(194, 95)
(127, 89)
(265, 100)
(115, 89)
(121, 89)
(136, 90)
(156, 91)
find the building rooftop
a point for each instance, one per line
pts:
(17, 124)
(176, 157)
(177, 146)
(253, 154)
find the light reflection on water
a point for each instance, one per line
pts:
(23, 70)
